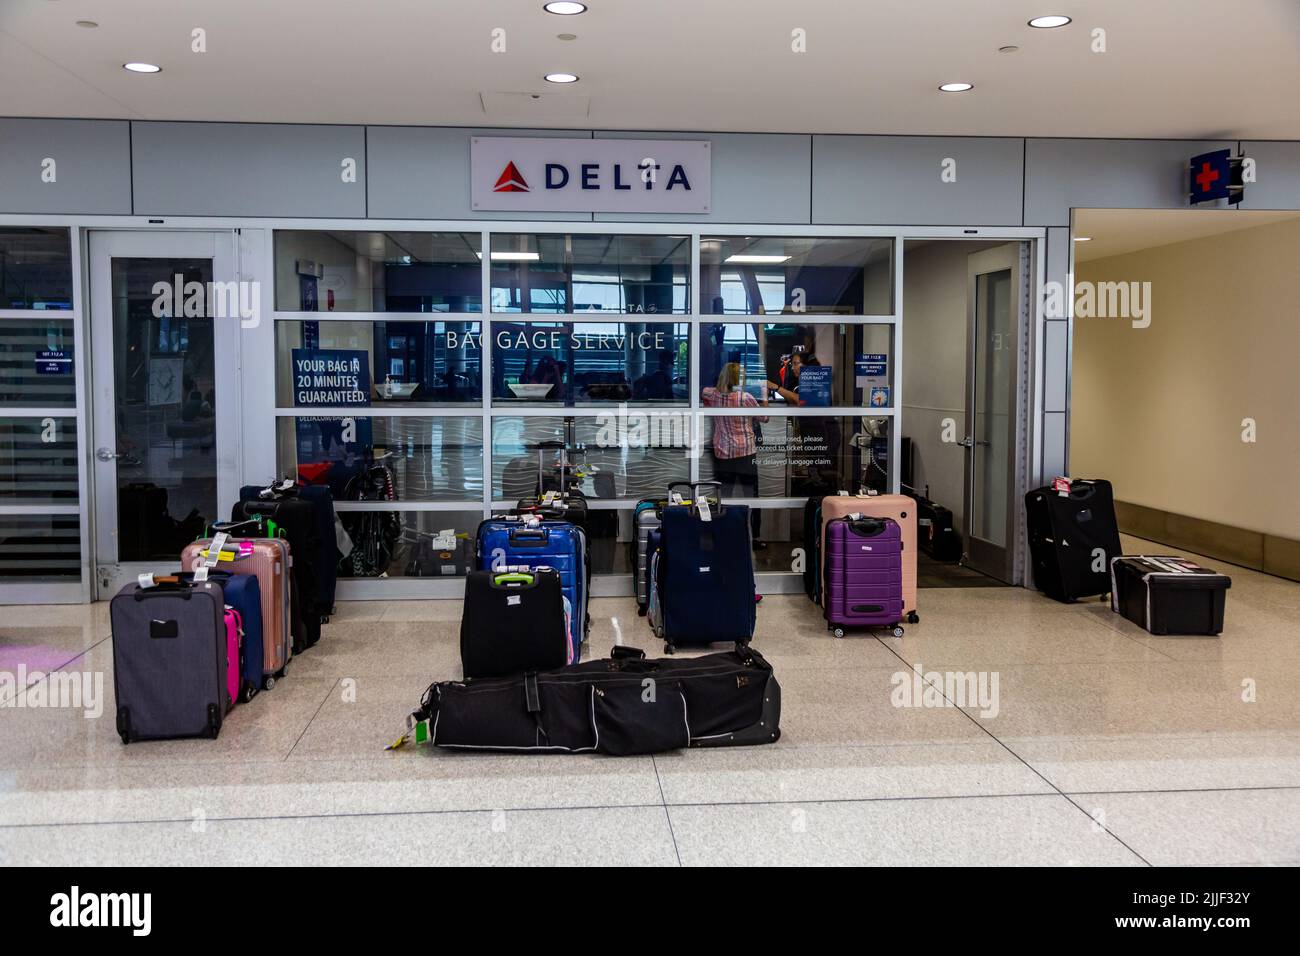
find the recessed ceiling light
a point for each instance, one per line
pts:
(1083, 238)
(561, 78)
(1047, 23)
(957, 87)
(565, 8)
(88, 24)
(745, 258)
(142, 67)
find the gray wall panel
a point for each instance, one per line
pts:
(92, 166)
(1055, 452)
(1056, 345)
(1277, 176)
(895, 180)
(757, 177)
(247, 169)
(419, 172)
(1106, 174)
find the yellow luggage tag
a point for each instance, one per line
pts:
(419, 729)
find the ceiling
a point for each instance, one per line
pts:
(1116, 232)
(1173, 68)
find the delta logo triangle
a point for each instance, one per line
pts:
(511, 181)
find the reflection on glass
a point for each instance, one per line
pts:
(854, 361)
(590, 362)
(796, 456)
(332, 271)
(423, 459)
(408, 544)
(35, 268)
(412, 363)
(621, 454)
(38, 460)
(591, 273)
(165, 395)
(37, 366)
(995, 362)
(40, 547)
(770, 275)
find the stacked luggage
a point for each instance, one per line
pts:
(700, 583)
(189, 645)
(870, 516)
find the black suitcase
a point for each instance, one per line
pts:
(619, 706)
(812, 543)
(1072, 538)
(935, 533)
(1168, 595)
(513, 622)
(299, 526)
(327, 568)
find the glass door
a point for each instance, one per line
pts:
(995, 302)
(165, 404)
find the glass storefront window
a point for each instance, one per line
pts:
(38, 460)
(35, 268)
(591, 273)
(370, 458)
(784, 275)
(40, 547)
(582, 363)
(794, 456)
(408, 544)
(408, 363)
(621, 454)
(854, 363)
(332, 271)
(37, 364)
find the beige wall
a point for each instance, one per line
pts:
(1159, 410)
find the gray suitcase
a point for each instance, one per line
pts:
(169, 660)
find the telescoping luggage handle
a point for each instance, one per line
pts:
(513, 579)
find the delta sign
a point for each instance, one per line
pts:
(525, 175)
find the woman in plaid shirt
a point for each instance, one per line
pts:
(734, 441)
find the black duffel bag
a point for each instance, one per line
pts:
(619, 706)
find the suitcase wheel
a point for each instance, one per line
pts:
(214, 721)
(898, 630)
(838, 632)
(640, 612)
(124, 725)
(669, 649)
(268, 682)
(913, 618)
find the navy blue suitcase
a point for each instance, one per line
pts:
(327, 573)
(515, 543)
(244, 594)
(705, 578)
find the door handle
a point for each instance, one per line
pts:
(103, 454)
(967, 443)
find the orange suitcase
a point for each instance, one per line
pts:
(269, 559)
(899, 507)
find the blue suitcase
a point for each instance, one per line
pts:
(244, 594)
(704, 577)
(518, 543)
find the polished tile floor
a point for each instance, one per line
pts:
(1095, 743)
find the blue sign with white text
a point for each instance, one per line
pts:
(53, 362)
(339, 378)
(815, 385)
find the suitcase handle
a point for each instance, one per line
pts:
(621, 652)
(512, 577)
(533, 536)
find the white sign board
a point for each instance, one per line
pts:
(590, 175)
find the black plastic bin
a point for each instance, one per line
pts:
(1169, 595)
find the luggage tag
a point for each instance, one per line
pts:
(146, 580)
(417, 729)
(706, 514)
(1061, 486)
(675, 498)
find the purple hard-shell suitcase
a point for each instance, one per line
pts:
(863, 574)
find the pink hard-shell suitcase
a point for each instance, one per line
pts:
(234, 648)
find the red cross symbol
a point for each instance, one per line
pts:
(1206, 177)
